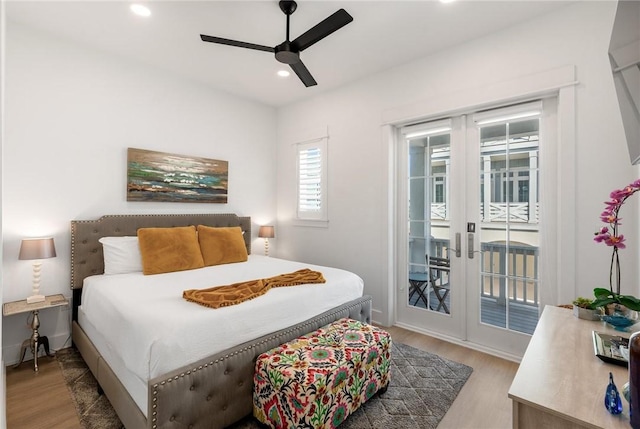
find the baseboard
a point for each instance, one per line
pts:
(11, 353)
(459, 342)
(376, 317)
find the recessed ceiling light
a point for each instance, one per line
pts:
(283, 73)
(141, 10)
(447, 1)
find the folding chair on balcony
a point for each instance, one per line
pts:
(439, 279)
(417, 285)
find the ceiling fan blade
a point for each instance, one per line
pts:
(321, 30)
(303, 73)
(230, 42)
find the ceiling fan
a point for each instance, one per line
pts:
(288, 52)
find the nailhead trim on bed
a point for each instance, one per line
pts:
(362, 312)
(86, 251)
(225, 381)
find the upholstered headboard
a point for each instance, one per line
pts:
(86, 252)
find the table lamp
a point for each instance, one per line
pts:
(266, 232)
(36, 249)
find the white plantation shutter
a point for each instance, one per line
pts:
(312, 180)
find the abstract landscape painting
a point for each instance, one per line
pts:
(166, 177)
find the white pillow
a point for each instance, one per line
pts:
(121, 255)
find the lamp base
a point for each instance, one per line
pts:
(35, 298)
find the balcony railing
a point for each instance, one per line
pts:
(512, 273)
(503, 212)
(516, 268)
(497, 212)
(439, 211)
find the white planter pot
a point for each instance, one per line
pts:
(586, 313)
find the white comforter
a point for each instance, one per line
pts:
(145, 320)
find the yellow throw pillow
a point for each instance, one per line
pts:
(222, 245)
(165, 250)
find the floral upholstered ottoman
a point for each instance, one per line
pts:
(317, 380)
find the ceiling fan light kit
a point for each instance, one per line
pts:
(288, 52)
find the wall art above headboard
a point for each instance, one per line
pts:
(166, 177)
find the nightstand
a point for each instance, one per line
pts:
(33, 343)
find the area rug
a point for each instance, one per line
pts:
(423, 387)
(94, 410)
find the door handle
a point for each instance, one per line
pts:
(470, 245)
(458, 242)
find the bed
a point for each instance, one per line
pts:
(179, 372)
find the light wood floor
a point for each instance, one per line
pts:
(42, 400)
(483, 402)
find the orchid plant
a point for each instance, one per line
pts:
(611, 236)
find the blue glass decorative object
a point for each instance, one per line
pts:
(619, 321)
(612, 400)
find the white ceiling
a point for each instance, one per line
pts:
(382, 35)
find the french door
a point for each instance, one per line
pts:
(468, 252)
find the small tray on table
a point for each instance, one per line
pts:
(611, 348)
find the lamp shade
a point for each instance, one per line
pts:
(266, 232)
(37, 248)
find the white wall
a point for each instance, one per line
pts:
(71, 113)
(3, 371)
(358, 151)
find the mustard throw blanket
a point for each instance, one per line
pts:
(222, 296)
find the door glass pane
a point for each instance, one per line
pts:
(428, 268)
(509, 232)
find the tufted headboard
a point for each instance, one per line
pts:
(86, 252)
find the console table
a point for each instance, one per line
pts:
(560, 382)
